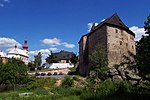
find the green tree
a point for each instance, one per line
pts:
(13, 72)
(38, 60)
(31, 66)
(51, 59)
(143, 50)
(98, 63)
(74, 59)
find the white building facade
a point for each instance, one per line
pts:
(21, 54)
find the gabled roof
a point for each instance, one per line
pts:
(113, 20)
(18, 52)
(62, 55)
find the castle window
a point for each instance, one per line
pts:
(132, 47)
(116, 31)
(121, 32)
(120, 42)
(126, 44)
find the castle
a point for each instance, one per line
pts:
(113, 35)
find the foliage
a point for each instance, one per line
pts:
(76, 78)
(51, 59)
(31, 66)
(116, 90)
(98, 63)
(38, 59)
(67, 82)
(108, 90)
(40, 82)
(74, 59)
(13, 72)
(143, 51)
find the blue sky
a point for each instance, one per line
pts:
(59, 24)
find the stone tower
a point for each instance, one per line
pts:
(113, 35)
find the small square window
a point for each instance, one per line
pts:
(120, 42)
(116, 31)
(126, 44)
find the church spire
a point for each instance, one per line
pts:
(25, 46)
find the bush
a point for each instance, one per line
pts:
(67, 82)
(76, 78)
(107, 89)
(13, 72)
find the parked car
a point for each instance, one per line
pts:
(43, 74)
(55, 73)
(37, 74)
(60, 73)
(49, 73)
(70, 73)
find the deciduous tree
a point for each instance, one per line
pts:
(143, 50)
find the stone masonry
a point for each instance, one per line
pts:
(113, 35)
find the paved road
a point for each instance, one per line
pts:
(54, 76)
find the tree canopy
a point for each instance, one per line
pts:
(143, 50)
(38, 60)
(74, 59)
(51, 58)
(98, 62)
(13, 72)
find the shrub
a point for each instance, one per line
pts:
(67, 82)
(13, 72)
(76, 78)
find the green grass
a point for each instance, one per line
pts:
(45, 89)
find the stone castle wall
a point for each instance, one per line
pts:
(119, 42)
(83, 61)
(97, 38)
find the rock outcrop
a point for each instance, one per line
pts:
(122, 73)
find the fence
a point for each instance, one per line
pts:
(5, 87)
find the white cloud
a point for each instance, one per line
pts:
(6, 1)
(90, 26)
(44, 52)
(52, 42)
(1, 5)
(67, 45)
(102, 20)
(53, 49)
(8, 42)
(138, 32)
(57, 42)
(3, 2)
